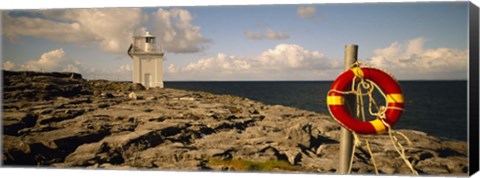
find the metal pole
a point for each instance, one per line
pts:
(346, 138)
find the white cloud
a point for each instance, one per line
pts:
(42, 28)
(120, 73)
(49, 61)
(113, 28)
(253, 36)
(125, 68)
(272, 35)
(175, 31)
(172, 68)
(9, 65)
(220, 63)
(290, 56)
(306, 11)
(71, 68)
(102, 26)
(411, 60)
(57, 61)
(269, 35)
(110, 28)
(283, 62)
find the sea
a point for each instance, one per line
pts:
(438, 108)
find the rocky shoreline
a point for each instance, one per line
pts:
(61, 120)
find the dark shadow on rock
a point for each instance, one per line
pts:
(67, 114)
(319, 140)
(203, 165)
(447, 152)
(277, 154)
(17, 124)
(226, 155)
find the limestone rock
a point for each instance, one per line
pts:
(62, 120)
(137, 87)
(106, 95)
(15, 121)
(132, 95)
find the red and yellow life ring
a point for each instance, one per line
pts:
(391, 88)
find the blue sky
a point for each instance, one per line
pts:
(263, 42)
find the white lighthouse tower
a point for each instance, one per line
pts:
(147, 61)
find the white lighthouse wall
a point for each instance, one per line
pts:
(148, 70)
(136, 70)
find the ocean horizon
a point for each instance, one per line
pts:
(416, 80)
(437, 107)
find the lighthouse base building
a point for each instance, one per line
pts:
(148, 70)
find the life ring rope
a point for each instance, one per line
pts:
(365, 88)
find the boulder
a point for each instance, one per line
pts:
(137, 87)
(132, 95)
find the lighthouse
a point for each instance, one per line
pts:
(147, 61)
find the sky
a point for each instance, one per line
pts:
(411, 41)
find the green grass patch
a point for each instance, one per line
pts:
(257, 166)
